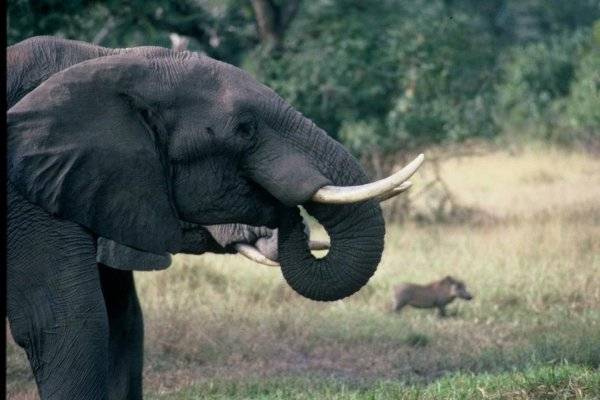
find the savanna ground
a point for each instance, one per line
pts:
(222, 327)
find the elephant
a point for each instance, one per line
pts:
(25, 72)
(119, 154)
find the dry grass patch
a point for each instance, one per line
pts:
(531, 181)
(534, 274)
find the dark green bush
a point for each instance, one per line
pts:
(394, 77)
(380, 75)
(583, 105)
(337, 63)
(537, 80)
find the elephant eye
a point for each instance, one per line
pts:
(246, 129)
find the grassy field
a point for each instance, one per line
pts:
(220, 327)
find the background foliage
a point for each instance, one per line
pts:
(519, 224)
(379, 75)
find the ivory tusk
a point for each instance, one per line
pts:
(253, 254)
(319, 245)
(353, 194)
(395, 191)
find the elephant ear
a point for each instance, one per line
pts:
(84, 145)
(126, 258)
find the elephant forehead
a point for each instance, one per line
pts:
(235, 99)
(239, 89)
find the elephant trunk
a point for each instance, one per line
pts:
(356, 230)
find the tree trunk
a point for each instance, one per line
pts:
(272, 21)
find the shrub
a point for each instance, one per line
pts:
(537, 81)
(398, 76)
(583, 106)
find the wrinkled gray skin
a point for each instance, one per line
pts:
(263, 238)
(25, 73)
(127, 258)
(144, 148)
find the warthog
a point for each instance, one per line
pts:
(436, 294)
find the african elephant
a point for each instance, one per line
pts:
(29, 66)
(128, 146)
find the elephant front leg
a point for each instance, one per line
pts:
(54, 303)
(126, 342)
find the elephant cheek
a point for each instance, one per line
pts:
(220, 197)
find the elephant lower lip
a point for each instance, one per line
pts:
(270, 221)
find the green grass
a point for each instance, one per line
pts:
(223, 327)
(546, 382)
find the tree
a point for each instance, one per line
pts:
(272, 20)
(225, 30)
(380, 75)
(386, 75)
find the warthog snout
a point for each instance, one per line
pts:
(462, 292)
(466, 295)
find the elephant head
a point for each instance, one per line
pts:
(128, 145)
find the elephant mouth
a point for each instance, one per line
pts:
(379, 191)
